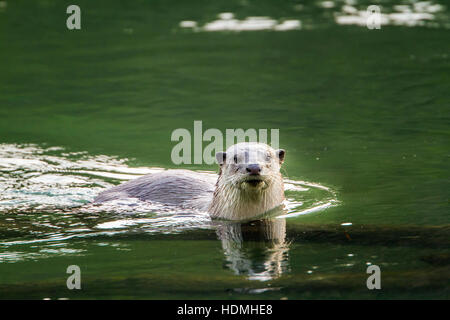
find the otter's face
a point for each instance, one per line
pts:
(250, 166)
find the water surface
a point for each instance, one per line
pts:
(363, 115)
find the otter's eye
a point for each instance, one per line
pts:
(235, 158)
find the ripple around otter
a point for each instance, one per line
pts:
(45, 196)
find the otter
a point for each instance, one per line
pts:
(249, 184)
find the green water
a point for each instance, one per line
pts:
(363, 112)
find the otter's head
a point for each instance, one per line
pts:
(249, 183)
(250, 167)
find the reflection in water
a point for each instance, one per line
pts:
(257, 249)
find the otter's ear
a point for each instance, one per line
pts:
(220, 157)
(280, 154)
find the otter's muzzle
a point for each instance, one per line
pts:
(254, 178)
(253, 169)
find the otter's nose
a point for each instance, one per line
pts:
(253, 169)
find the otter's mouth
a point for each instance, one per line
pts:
(254, 182)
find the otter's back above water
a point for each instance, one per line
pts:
(181, 188)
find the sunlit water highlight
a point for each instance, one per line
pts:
(227, 22)
(346, 12)
(422, 13)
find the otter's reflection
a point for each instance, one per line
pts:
(257, 249)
